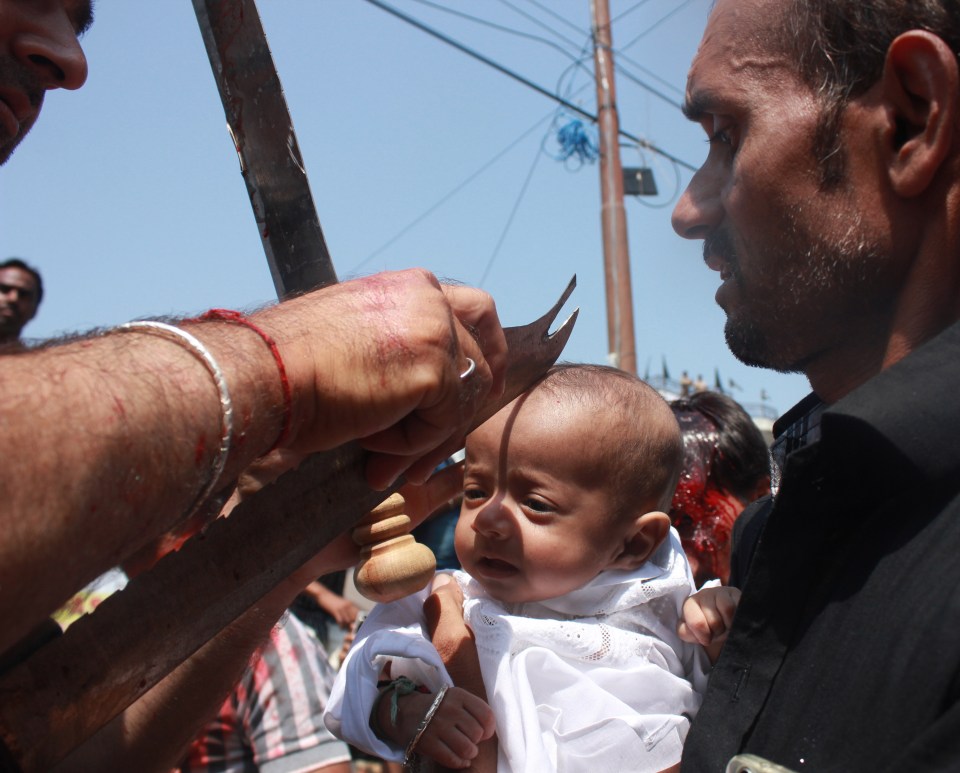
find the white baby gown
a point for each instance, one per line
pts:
(596, 680)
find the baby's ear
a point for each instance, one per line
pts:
(645, 535)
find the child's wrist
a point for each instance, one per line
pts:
(392, 690)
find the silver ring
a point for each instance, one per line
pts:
(471, 366)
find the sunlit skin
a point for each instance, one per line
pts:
(39, 51)
(18, 301)
(809, 276)
(539, 516)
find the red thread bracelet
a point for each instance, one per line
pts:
(229, 315)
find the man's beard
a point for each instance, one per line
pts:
(810, 280)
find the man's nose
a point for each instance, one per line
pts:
(699, 209)
(49, 48)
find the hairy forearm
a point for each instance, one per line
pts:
(106, 442)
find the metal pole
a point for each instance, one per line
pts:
(616, 257)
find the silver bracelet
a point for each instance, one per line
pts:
(410, 755)
(198, 350)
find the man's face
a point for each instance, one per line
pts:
(801, 266)
(18, 301)
(38, 51)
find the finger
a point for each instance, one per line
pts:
(417, 468)
(420, 470)
(443, 753)
(477, 310)
(713, 620)
(422, 500)
(727, 606)
(482, 713)
(695, 623)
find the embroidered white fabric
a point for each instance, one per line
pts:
(593, 680)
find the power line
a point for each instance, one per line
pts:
(627, 12)
(555, 15)
(513, 213)
(657, 23)
(525, 81)
(449, 194)
(539, 23)
(637, 81)
(494, 25)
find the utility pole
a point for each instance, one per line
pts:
(613, 216)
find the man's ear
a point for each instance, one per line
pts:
(921, 85)
(646, 534)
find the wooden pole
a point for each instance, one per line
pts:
(616, 257)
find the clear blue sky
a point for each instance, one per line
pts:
(128, 195)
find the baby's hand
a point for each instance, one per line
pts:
(707, 617)
(452, 737)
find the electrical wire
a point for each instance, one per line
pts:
(493, 25)
(555, 15)
(657, 23)
(627, 12)
(525, 81)
(541, 24)
(630, 76)
(513, 213)
(450, 194)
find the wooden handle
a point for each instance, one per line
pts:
(392, 563)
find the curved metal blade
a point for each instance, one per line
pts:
(532, 350)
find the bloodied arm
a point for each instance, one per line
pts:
(106, 441)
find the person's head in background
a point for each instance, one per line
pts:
(559, 487)
(21, 290)
(726, 465)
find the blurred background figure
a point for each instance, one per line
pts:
(726, 466)
(21, 290)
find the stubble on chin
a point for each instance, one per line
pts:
(820, 279)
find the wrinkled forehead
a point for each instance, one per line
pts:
(739, 41)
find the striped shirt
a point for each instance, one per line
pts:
(272, 722)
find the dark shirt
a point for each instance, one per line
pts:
(845, 649)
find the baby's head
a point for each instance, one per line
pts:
(567, 481)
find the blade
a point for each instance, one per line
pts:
(270, 160)
(76, 684)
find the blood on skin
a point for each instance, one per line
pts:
(200, 450)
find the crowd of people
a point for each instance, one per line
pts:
(823, 608)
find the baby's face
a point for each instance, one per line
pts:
(536, 520)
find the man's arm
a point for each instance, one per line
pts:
(107, 441)
(154, 733)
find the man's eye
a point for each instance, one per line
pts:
(720, 137)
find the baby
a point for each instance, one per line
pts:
(573, 584)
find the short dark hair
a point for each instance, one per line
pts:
(739, 458)
(24, 266)
(644, 461)
(839, 48)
